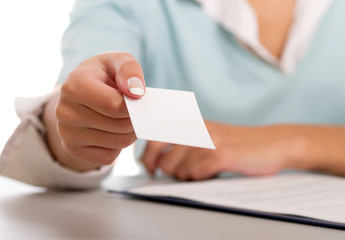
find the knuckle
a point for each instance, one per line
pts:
(124, 140)
(124, 55)
(195, 175)
(154, 146)
(130, 67)
(181, 175)
(69, 87)
(63, 113)
(125, 125)
(113, 106)
(166, 167)
(109, 156)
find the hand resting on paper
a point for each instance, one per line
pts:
(253, 151)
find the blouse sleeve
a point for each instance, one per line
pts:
(26, 157)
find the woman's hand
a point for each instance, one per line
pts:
(245, 150)
(93, 124)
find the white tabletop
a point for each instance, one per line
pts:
(32, 213)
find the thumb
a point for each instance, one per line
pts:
(135, 86)
(128, 75)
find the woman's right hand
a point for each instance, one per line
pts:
(92, 124)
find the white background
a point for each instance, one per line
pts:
(30, 34)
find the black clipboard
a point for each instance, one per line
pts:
(140, 181)
(233, 210)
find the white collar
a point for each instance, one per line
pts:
(238, 17)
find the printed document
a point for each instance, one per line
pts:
(308, 195)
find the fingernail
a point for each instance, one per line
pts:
(136, 86)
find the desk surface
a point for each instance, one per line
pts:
(32, 213)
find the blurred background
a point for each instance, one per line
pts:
(30, 59)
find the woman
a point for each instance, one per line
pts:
(267, 75)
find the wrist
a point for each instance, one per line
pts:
(307, 151)
(300, 150)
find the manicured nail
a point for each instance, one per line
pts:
(136, 86)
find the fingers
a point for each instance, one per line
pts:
(247, 151)
(97, 155)
(91, 111)
(193, 158)
(190, 163)
(99, 83)
(92, 137)
(171, 159)
(174, 160)
(77, 115)
(151, 155)
(88, 89)
(93, 145)
(211, 165)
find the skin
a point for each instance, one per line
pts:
(274, 20)
(88, 123)
(253, 151)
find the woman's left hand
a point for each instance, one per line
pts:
(251, 151)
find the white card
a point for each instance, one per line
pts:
(169, 116)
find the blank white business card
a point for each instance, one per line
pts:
(169, 116)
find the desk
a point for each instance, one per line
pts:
(32, 213)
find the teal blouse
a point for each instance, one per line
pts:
(180, 47)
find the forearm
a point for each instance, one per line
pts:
(55, 144)
(320, 148)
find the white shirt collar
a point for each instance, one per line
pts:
(238, 17)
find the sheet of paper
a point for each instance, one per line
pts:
(309, 195)
(169, 116)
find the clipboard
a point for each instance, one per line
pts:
(185, 202)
